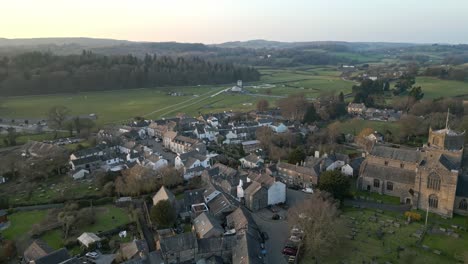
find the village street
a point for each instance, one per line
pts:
(277, 230)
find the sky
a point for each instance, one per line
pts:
(216, 21)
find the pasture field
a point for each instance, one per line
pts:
(434, 87)
(121, 105)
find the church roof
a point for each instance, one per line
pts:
(387, 173)
(396, 154)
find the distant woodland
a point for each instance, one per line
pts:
(34, 73)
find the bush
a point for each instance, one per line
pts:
(413, 216)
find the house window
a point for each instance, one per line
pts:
(433, 201)
(433, 182)
(389, 186)
(402, 165)
(376, 183)
(463, 205)
(386, 163)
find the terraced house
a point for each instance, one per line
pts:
(428, 177)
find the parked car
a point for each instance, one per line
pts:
(307, 190)
(92, 255)
(289, 251)
(264, 235)
(275, 217)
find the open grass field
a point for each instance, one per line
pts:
(109, 106)
(367, 247)
(118, 106)
(21, 223)
(121, 105)
(434, 87)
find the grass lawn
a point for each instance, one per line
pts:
(21, 223)
(53, 238)
(107, 218)
(354, 126)
(451, 247)
(367, 247)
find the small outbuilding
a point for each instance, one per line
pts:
(87, 239)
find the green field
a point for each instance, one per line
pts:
(312, 81)
(22, 222)
(121, 105)
(354, 126)
(434, 87)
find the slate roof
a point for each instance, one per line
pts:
(225, 170)
(396, 154)
(216, 244)
(193, 197)
(252, 158)
(57, 256)
(299, 169)
(185, 140)
(462, 186)
(448, 163)
(263, 179)
(247, 250)
(87, 160)
(178, 243)
(219, 204)
(206, 222)
(389, 173)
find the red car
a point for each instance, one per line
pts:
(289, 251)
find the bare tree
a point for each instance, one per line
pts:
(318, 217)
(57, 116)
(294, 106)
(262, 105)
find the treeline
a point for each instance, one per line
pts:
(45, 73)
(458, 74)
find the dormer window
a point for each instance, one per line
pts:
(386, 163)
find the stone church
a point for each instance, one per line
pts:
(430, 176)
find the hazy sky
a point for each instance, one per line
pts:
(215, 21)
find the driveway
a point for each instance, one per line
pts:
(277, 230)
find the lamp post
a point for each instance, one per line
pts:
(427, 214)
